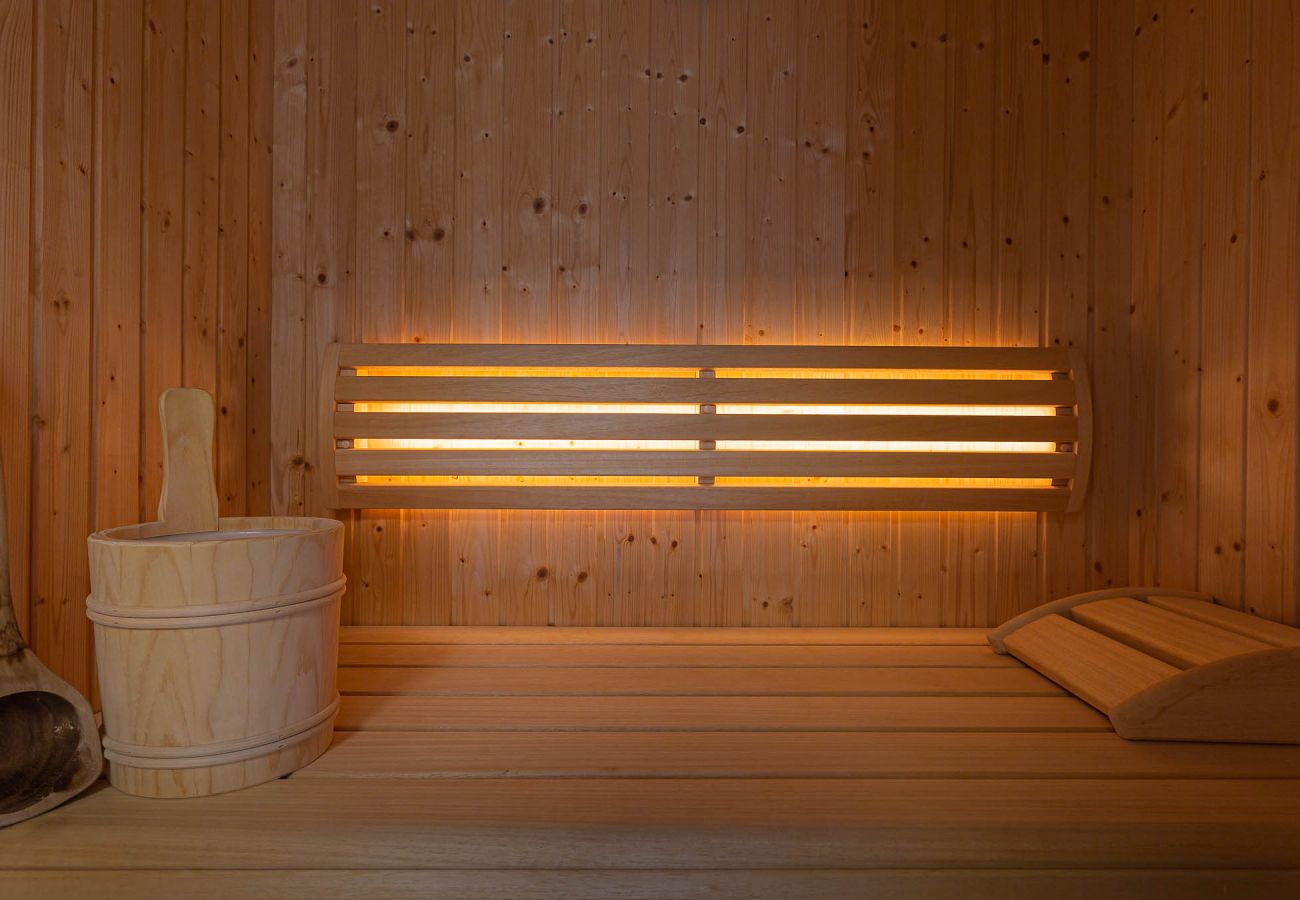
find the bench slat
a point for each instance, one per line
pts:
(756, 463)
(601, 426)
(415, 496)
(947, 392)
(1098, 670)
(696, 356)
(1230, 620)
(1174, 638)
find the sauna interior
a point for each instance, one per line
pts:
(715, 676)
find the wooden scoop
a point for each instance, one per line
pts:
(189, 494)
(49, 744)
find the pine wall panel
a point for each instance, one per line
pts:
(208, 192)
(1000, 172)
(135, 245)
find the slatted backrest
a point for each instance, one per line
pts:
(616, 426)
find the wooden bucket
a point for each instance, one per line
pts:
(216, 647)
(217, 652)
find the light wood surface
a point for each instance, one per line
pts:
(1175, 668)
(217, 650)
(1014, 146)
(599, 884)
(129, 246)
(365, 407)
(988, 464)
(1245, 697)
(527, 497)
(1095, 668)
(590, 809)
(685, 680)
(650, 426)
(538, 656)
(1174, 638)
(1063, 605)
(722, 637)
(1229, 619)
(1162, 201)
(804, 391)
(188, 502)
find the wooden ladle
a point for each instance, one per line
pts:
(49, 744)
(189, 495)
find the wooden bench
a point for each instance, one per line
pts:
(543, 426)
(1166, 665)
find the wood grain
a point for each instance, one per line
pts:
(18, 32)
(997, 800)
(63, 329)
(694, 822)
(598, 884)
(138, 266)
(1166, 207)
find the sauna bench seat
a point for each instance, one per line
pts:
(577, 762)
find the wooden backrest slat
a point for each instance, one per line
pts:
(759, 463)
(418, 496)
(667, 426)
(480, 426)
(792, 391)
(717, 356)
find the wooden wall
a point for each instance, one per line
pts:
(1121, 175)
(135, 251)
(685, 171)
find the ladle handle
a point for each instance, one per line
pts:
(189, 494)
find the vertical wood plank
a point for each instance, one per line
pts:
(969, 246)
(201, 273)
(262, 363)
(116, 264)
(291, 442)
(578, 584)
(381, 230)
(1148, 131)
(1018, 195)
(61, 503)
(724, 232)
(626, 300)
(821, 313)
(426, 317)
(1178, 355)
(232, 262)
(1225, 263)
(920, 267)
(674, 184)
(1271, 458)
(163, 239)
(1069, 165)
(526, 573)
(869, 262)
(1112, 241)
(17, 55)
(769, 585)
(331, 150)
(477, 250)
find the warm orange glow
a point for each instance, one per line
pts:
(869, 481)
(686, 480)
(686, 409)
(530, 480)
(891, 374)
(527, 372)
